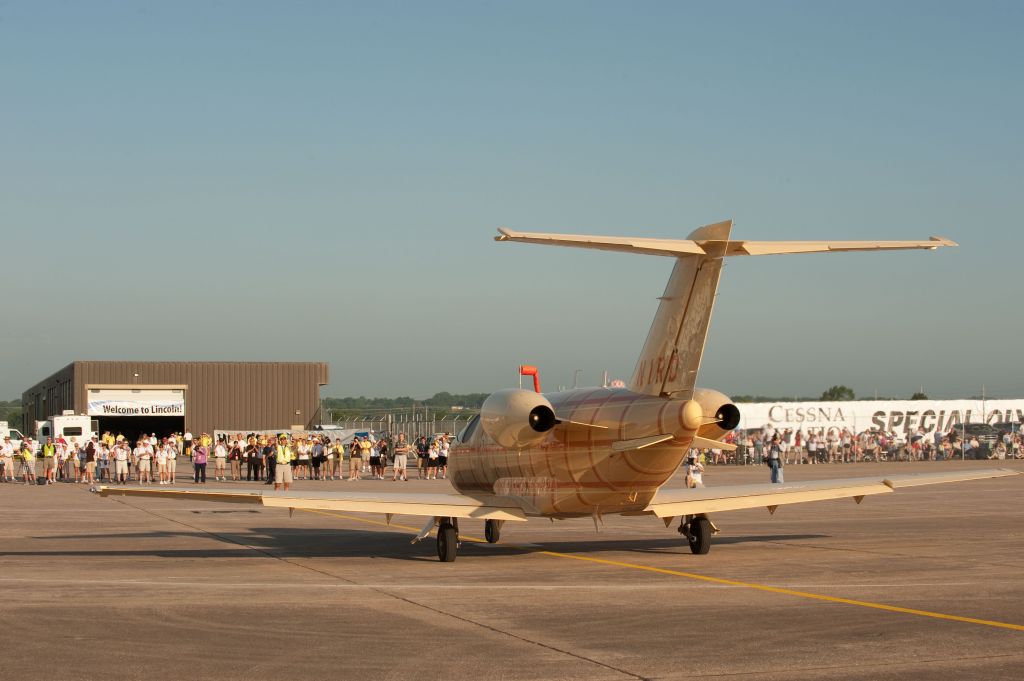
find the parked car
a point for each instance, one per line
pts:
(986, 434)
(1007, 426)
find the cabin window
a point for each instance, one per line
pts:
(73, 430)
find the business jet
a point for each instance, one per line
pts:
(594, 452)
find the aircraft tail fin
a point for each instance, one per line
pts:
(675, 344)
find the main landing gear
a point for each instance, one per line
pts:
(447, 540)
(698, 531)
(492, 531)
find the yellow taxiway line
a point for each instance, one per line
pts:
(717, 580)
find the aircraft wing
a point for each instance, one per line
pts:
(668, 503)
(398, 503)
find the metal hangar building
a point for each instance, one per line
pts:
(166, 397)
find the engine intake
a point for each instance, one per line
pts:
(517, 419)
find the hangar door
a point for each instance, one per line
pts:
(135, 411)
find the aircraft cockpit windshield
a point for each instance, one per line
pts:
(468, 431)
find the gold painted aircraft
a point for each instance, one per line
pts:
(596, 451)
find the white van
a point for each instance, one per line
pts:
(16, 436)
(67, 425)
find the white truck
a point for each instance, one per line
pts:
(68, 425)
(15, 434)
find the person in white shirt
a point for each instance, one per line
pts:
(302, 462)
(694, 471)
(121, 462)
(220, 453)
(172, 461)
(402, 450)
(161, 463)
(432, 456)
(72, 461)
(103, 459)
(7, 457)
(143, 460)
(60, 458)
(442, 459)
(187, 443)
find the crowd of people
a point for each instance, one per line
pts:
(844, 446)
(147, 459)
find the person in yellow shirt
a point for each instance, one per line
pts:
(366, 449)
(28, 458)
(335, 465)
(49, 452)
(283, 457)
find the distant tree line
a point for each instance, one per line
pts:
(440, 403)
(837, 393)
(10, 411)
(445, 402)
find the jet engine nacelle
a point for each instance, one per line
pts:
(517, 419)
(720, 415)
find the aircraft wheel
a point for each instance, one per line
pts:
(700, 535)
(447, 542)
(492, 531)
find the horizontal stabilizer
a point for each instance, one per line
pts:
(674, 247)
(713, 247)
(671, 355)
(784, 247)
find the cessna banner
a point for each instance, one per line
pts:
(592, 452)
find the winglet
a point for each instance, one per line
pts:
(942, 241)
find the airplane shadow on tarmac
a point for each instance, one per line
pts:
(284, 542)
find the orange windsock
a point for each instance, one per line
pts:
(528, 370)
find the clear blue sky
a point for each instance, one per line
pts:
(321, 181)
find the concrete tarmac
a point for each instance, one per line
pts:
(135, 588)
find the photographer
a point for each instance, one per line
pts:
(693, 473)
(774, 459)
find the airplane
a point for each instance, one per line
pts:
(593, 452)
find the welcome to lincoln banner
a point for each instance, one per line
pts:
(136, 403)
(899, 416)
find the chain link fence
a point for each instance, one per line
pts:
(413, 425)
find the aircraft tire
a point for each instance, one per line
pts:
(492, 531)
(447, 542)
(700, 535)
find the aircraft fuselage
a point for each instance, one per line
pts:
(575, 471)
